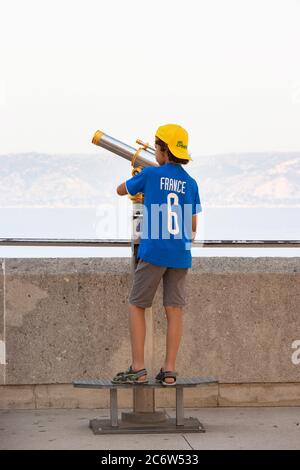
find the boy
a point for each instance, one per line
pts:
(171, 204)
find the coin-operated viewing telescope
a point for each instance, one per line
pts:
(139, 158)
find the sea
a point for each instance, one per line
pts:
(86, 223)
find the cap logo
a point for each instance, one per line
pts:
(181, 144)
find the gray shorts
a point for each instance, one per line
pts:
(146, 279)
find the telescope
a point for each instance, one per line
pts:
(139, 158)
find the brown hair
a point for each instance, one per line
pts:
(172, 158)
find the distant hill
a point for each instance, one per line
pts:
(230, 180)
(250, 179)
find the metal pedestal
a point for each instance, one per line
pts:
(146, 422)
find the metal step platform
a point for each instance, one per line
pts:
(150, 422)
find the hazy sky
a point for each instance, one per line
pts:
(226, 70)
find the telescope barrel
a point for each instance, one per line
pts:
(123, 150)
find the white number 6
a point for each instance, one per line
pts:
(172, 214)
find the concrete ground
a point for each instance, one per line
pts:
(226, 428)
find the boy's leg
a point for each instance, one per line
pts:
(174, 280)
(174, 333)
(137, 327)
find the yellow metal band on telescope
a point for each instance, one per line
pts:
(139, 197)
(97, 137)
(135, 156)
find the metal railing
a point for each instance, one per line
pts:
(127, 243)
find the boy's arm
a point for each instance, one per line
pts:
(122, 190)
(135, 184)
(194, 226)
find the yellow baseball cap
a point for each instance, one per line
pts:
(176, 137)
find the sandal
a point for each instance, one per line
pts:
(164, 374)
(130, 376)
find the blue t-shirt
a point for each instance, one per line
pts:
(171, 197)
